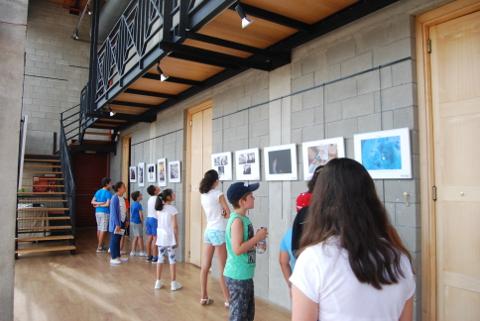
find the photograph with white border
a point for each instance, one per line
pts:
(162, 172)
(222, 163)
(174, 172)
(247, 164)
(281, 163)
(318, 153)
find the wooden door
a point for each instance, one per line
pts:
(455, 79)
(199, 150)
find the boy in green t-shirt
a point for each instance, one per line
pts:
(241, 255)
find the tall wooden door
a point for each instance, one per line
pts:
(455, 78)
(200, 150)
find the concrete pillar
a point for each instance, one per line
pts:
(13, 20)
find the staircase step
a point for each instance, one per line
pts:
(36, 229)
(42, 249)
(45, 238)
(38, 185)
(40, 193)
(48, 178)
(42, 166)
(37, 160)
(40, 200)
(49, 209)
(46, 173)
(39, 218)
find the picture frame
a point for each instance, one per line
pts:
(385, 154)
(151, 173)
(247, 164)
(162, 172)
(281, 163)
(319, 152)
(174, 172)
(141, 174)
(222, 163)
(132, 174)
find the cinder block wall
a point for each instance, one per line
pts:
(357, 79)
(56, 70)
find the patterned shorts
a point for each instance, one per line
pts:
(102, 221)
(170, 251)
(242, 299)
(214, 237)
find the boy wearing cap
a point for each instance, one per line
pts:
(241, 254)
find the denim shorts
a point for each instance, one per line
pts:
(214, 237)
(151, 226)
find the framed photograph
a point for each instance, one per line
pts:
(162, 171)
(141, 174)
(385, 154)
(247, 164)
(319, 153)
(174, 172)
(151, 173)
(281, 163)
(132, 174)
(222, 163)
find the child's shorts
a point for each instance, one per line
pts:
(102, 221)
(136, 229)
(151, 226)
(214, 237)
(170, 251)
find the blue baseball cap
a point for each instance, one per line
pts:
(238, 190)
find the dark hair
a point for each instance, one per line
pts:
(208, 180)
(345, 204)
(135, 195)
(105, 181)
(162, 198)
(151, 190)
(118, 185)
(313, 180)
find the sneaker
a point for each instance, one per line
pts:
(101, 250)
(124, 259)
(108, 250)
(142, 254)
(133, 253)
(174, 286)
(115, 261)
(149, 259)
(158, 284)
(154, 259)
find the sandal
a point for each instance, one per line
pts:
(227, 304)
(206, 301)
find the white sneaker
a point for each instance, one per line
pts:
(109, 250)
(115, 261)
(133, 253)
(174, 286)
(142, 254)
(158, 284)
(123, 259)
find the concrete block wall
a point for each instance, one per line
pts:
(56, 70)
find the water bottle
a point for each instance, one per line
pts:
(262, 246)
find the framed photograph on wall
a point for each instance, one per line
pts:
(141, 174)
(385, 154)
(222, 163)
(319, 152)
(162, 171)
(132, 174)
(174, 172)
(280, 163)
(151, 173)
(247, 164)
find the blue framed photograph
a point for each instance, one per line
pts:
(385, 154)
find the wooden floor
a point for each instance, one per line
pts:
(85, 287)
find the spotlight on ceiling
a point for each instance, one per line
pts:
(89, 12)
(112, 113)
(75, 35)
(163, 76)
(246, 21)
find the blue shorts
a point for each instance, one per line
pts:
(214, 237)
(151, 226)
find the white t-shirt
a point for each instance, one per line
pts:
(165, 233)
(213, 210)
(123, 209)
(323, 274)
(151, 206)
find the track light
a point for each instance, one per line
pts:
(112, 113)
(89, 12)
(75, 35)
(163, 76)
(246, 21)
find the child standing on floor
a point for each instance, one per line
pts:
(136, 224)
(241, 253)
(117, 213)
(152, 253)
(167, 236)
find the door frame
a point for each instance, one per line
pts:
(188, 158)
(125, 163)
(426, 139)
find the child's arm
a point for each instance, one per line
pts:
(284, 261)
(238, 245)
(224, 205)
(115, 214)
(175, 229)
(140, 213)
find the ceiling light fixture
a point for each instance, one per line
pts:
(246, 21)
(163, 76)
(112, 113)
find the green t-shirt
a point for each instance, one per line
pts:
(239, 267)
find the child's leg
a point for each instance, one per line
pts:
(206, 264)
(222, 259)
(154, 248)
(173, 263)
(134, 243)
(161, 259)
(140, 243)
(149, 245)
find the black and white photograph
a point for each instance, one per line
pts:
(151, 173)
(222, 163)
(162, 172)
(133, 174)
(174, 173)
(247, 164)
(141, 174)
(281, 163)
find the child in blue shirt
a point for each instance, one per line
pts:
(101, 203)
(136, 225)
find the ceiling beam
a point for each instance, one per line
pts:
(104, 117)
(130, 104)
(226, 43)
(206, 11)
(148, 93)
(177, 80)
